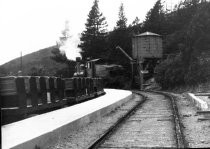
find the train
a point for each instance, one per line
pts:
(23, 96)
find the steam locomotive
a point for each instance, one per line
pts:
(22, 96)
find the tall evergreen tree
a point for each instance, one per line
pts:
(155, 19)
(93, 38)
(136, 27)
(120, 36)
(122, 22)
(136, 21)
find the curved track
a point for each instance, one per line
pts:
(154, 122)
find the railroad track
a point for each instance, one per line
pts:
(153, 122)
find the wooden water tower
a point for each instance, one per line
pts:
(147, 46)
(147, 50)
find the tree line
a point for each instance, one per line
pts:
(185, 31)
(187, 38)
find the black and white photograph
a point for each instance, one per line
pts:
(104, 74)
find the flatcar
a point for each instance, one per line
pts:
(22, 96)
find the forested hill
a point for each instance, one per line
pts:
(38, 62)
(185, 31)
(186, 34)
(187, 38)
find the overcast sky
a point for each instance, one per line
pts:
(29, 25)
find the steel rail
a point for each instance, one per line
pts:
(178, 128)
(180, 138)
(113, 128)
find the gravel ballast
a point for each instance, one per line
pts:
(85, 136)
(196, 130)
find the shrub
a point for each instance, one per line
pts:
(198, 72)
(170, 73)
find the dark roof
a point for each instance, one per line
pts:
(147, 34)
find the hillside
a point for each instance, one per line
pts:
(36, 61)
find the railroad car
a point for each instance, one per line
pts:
(22, 96)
